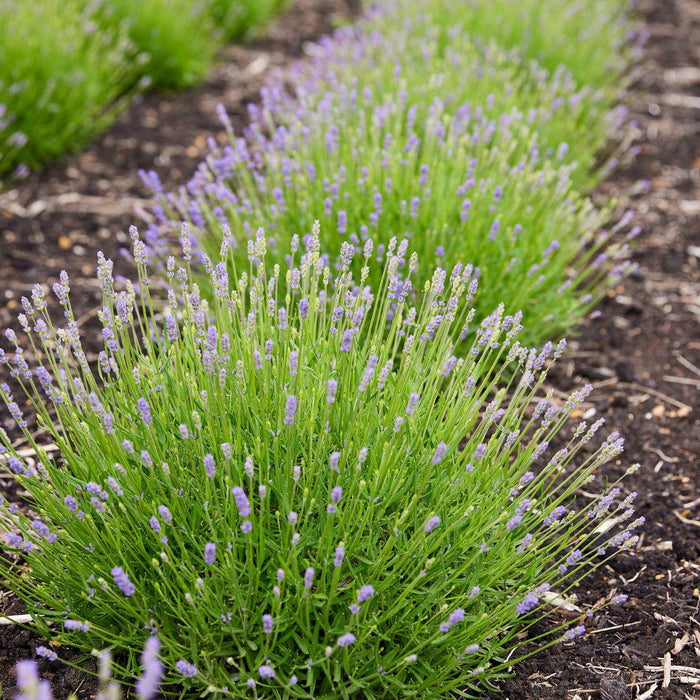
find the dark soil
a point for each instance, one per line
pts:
(642, 353)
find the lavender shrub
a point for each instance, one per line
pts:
(300, 492)
(421, 133)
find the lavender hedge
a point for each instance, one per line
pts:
(423, 132)
(317, 458)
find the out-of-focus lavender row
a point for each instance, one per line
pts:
(409, 125)
(67, 66)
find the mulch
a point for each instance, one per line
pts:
(642, 353)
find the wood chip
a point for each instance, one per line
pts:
(553, 598)
(648, 693)
(15, 619)
(680, 644)
(667, 670)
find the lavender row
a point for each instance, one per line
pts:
(461, 146)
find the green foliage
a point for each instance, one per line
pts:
(67, 67)
(237, 19)
(60, 80)
(318, 456)
(589, 37)
(173, 40)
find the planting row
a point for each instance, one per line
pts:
(315, 456)
(66, 67)
(430, 132)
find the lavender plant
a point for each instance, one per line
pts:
(480, 159)
(595, 39)
(299, 488)
(32, 687)
(237, 19)
(173, 41)
(60, 80)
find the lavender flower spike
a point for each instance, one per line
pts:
(121, 578)
(147, 685)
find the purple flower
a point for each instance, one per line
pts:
(345, 640)
(309, 578)
(529, 602)
(164, 513)
(293, 363)
(76, 625)
(431, 523)
(290, 410)
(365, 593)
(268, 623)
(346, 342)
(28, 680)
(479, 452)
(412, 403)
(242, 502)
(209, 553)
(454, 619)
(332, 390)
(266, 671)
(71, 503)
(439, 453)
(303, 308)
(122, 580)
(336, 494)
(147, 685)
(47, 653)
(210, 466)
(145, 411)
(333, 461)
(573, 633)
(186, 669)
(339, 556)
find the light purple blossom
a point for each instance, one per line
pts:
(121, 578)
(365, 593)
(242, 502)
(431, 523)
(147, 685)
(210, 465)
(186, 669)
(345, 640)
(267, 623)
(266, 671)
(309, 578)
(209, 553)
(76, 625)
(290, 410)
(439, 453)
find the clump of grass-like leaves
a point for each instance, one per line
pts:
(173, 41)
(298, 486)
(60, 79)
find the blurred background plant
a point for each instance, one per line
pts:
(61, 80)
(68, 66)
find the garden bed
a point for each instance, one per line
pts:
(642, 354)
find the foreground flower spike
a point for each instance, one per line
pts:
(251, 539)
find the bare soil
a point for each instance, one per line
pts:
(642, 353)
